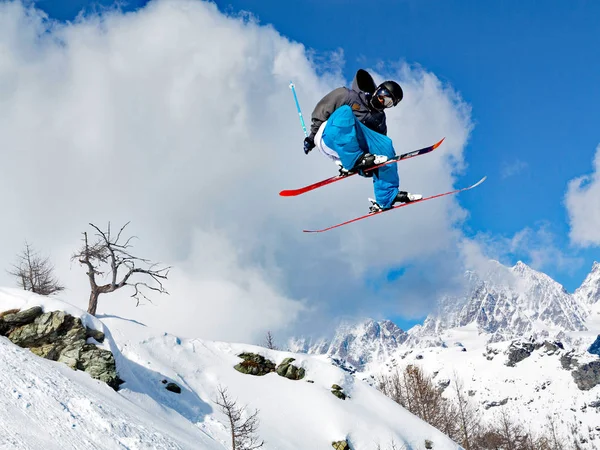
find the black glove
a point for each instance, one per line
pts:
(309, 144)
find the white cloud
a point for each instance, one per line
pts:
(537, 246)
(512, 169)
(583, 205)
(179, 119)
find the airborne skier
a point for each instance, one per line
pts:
(349, 126)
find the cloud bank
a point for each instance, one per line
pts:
(583, 205)
(179, 119)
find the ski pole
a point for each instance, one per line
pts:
(293, 88)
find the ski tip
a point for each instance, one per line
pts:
(438, 144)
(480, 181)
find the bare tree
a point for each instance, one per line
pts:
(121, 266)
(35, 273)
(270, 341)
(554, 439)
(415, 391)
(467, 420)
(243, 431)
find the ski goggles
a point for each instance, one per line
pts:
(385, 98)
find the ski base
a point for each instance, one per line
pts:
(456, 191)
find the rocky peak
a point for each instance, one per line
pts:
(505, 303)
(589, 291)
(357, 344)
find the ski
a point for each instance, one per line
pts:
(294, 192)
(398, 206)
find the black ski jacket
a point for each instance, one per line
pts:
(357, 98)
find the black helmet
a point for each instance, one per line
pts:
(387, 94)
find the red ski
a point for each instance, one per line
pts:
(294, 192)
(398, 206)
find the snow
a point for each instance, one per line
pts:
(518, 303)
(535, 387)
(47, 405)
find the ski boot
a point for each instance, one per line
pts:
(407, 197)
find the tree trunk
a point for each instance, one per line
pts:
(93, 304)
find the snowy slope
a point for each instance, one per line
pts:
(532, 389)
(46, 405)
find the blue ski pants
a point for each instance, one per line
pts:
(350, 139)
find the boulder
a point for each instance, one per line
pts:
(340, 445)
(288, 370)
(173, 388)
(337, 391)
(60, 337)
(518, 351)
(254, 364)
(587, 376)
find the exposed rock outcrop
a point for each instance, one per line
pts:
(58, 336)
(254, 364)
(587, 375)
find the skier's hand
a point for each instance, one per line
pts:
(309, 144)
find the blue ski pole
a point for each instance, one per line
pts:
(293, 88)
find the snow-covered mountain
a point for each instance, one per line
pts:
(502, 303)
(508, 303)
(480, 337)
(356, 345)
(589, 291)
(45, 404)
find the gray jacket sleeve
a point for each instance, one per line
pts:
(326, 106)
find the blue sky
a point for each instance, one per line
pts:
(530, 75)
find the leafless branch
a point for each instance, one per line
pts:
(106, 251)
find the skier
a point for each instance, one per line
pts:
(349, 127)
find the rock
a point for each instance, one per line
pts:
(61, 337)
(173, 388)
(254, 364)
(595, 347)
(471, 393)
(488, 405)
(14, 318)
(97, 335)
(428, 444)
(518, 351)
(310, 381)
(443, 384)
(100, 364)
(550, 348)
(339, 394)
(340, 445)
(419, 357)
(22, 317)
(47, 328)
(288, 370)
(337, 391)
(587, 376)
(567, 361)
